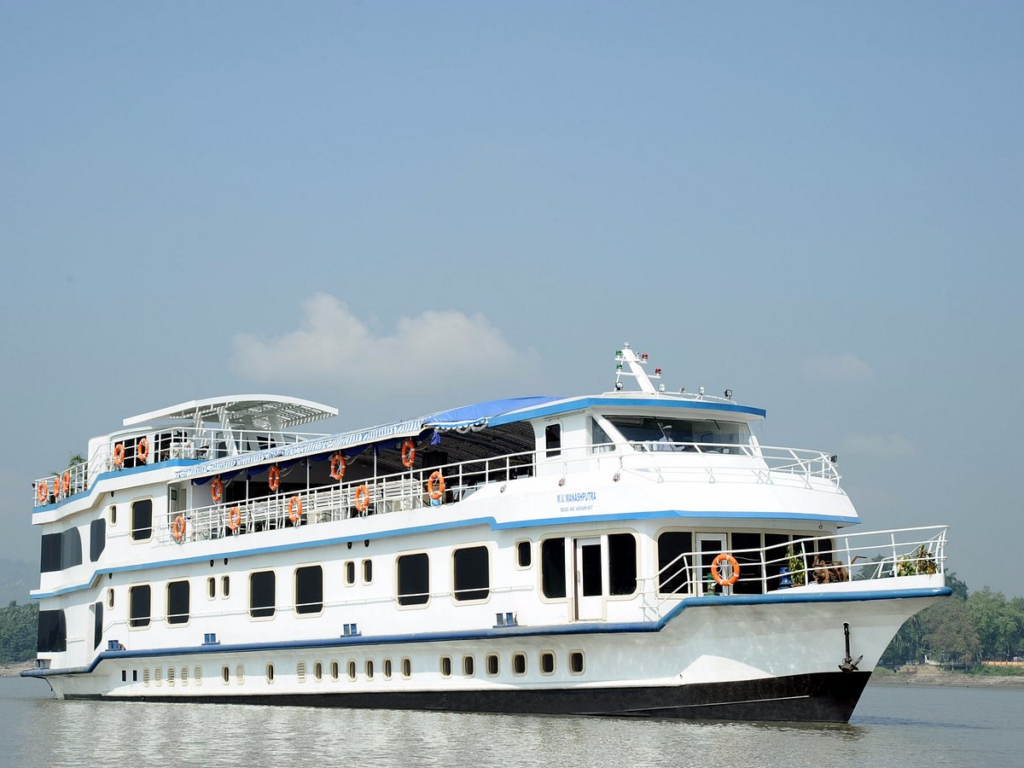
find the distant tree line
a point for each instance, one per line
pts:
(18, 625)
(961, 630)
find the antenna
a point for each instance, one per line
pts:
(636, 365)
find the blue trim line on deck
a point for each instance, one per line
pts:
(493, 634)
(489, 521)
(583, 403)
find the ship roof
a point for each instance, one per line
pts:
(241, 410)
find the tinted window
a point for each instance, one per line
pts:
(524, 554)
(749, 562)
(413, 579)
(97, 625)
(621, 564)
(553, 439)
(309, 589)
(552, 567)
(97, 539)
(472, 579)
(139, 603)
(177, 602)
(674, 561)
(52, 632)
(71, 549)
(660, 433)
(142, 519)
(262, 594)
(50, 552)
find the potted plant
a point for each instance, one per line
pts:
(796, 567)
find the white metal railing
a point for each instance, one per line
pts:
(410, 489)
(846, 557)
(161, 444)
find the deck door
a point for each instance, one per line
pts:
(710, 546)
(590, 579)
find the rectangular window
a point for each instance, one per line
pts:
(621, 564)
(52, 632)
(472, 576)
(71, 548)
(413, 579)
(97, 539)
(524, 554)
(262, 594)
(553, 439)
(675, 562)
(142, 519)
(139, 604)
(552, 567)
(309, 589)
(97, 625)
(50, 552)
(177, 602)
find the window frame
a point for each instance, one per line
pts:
(411, 606)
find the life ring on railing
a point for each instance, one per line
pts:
(216, 490)
(338, 466)
(295, 509)
(408, 454)
(178, 529)
(436, 491)
(724, 558)
(65, 483)
(362, 498)
(234, 518)
(142, 450)
(274, 478)
(42, 491)
(119, 455)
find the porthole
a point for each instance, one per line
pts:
(350, 572)
(576, 666)
(352, 671)
(524, 554)
(270, 673)
(211, 587)
(145, 677)
(369, 669)
(468, 666)
(240, 674)
(491, 665)
(184, 675)
(446, 666)
(387, 669)
(225, 586)
(406, 668)
(225, 674)
(170, 676)
(318, 671)
(518, 663)
(158, 676)
(110, 597)
(335, 671)
(547, 663)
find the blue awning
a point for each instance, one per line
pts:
(477, 415)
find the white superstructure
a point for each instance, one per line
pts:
(634, 552)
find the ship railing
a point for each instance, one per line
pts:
(127, 450)
(814, 562)
(769, 461)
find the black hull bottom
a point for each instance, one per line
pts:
(819, 698)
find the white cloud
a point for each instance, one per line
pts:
(842, 368)
(435, 351)
(880, 446)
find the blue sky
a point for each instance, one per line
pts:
(396, 208)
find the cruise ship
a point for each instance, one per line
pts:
(636, 553)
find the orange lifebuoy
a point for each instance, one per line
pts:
(274, 478)
(338, 466)
(178, 529)
(216, 490)
(408, 453)
(724, 558)
(42, 491)
(295, 509)
(362, 498)
(119, 455)
(142, 450)
(436, 492)
(65, 483)
(234, 518)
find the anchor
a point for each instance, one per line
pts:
(849, 664)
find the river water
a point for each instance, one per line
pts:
(893, 726)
